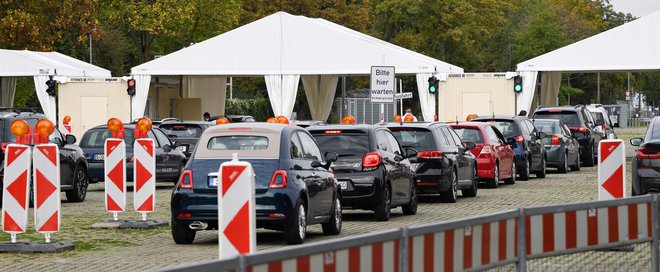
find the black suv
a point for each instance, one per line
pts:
(372, 169)
(73, 165)
(185, 134)
(581, 123)
(528, 146)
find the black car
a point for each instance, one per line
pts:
(444, 163)
(73, 165)
(185, 133)
(561, 148)
(372, 169)
(581, 123)
(294, 184)
(169, 159)
(646, 163)
(528, 146)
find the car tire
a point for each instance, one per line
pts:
(524, 175)
(181, 233)
(472, 192)
(411, 207)
(541, 174)
(296, 231)
(563, 167)
(383, 210)
(333, 226)
(576, 167)
(80, 183)
(589, 160)
(451, 195)
(496, 177)
(512, 179)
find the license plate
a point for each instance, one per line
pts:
(343, 185)
(213, 181)
(99, 157)
(183, 148)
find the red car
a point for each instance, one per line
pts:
(495, 158)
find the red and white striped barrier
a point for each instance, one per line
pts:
(144, 176)
(611, 169)
(566, 231)
(236, 209)
(115, 176)
(16, 187)
(375, 257)
(46, 163)
(463, 248)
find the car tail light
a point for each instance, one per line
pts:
(579, 129)
(486, 150)
(333, 132)
(647, 153)
(371, 161)
(430, 154)
(184, 215)
(554, 140)
(276, 215)
(186, 180)
(520, 138)
(4, 146)
(604, 127)
(278, 181)
(240, 129)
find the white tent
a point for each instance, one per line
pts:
(629, 47)
(41, 66)
(283, 47)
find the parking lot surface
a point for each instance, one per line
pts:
(131, 250)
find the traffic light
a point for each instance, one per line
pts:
(517, 84)
(131, 87)
(433, 85)
(51, 86)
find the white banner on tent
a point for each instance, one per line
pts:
(382, 84)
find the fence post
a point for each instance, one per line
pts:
(656, 233)
(403, 250)
(521, 266)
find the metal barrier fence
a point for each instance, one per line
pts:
(475, 243)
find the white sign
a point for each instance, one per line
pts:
(382, 84)
(403, 95)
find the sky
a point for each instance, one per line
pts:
(637, 8)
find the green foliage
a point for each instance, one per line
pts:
(566, 92)
(259, 108)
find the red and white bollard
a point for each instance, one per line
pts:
(144, 169)
(236, 208)
(115, 169)
(46, 163)
(611, 169)
(67, 126)
(16, 186)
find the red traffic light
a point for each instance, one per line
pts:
(131, 82)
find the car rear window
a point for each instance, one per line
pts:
(508, 128)
(181, 131)
(470, 135)
(418, 139)
(95, 138)
(547, 127)
(570, 118)
(344, 143)
(598, 118)
(238, 142)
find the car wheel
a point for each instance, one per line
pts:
(80, 183)
(181, 233)
(576, 167)
(524, 175)
(496, 177)
(296, 231)
(472, 192)
(383, 208)
(451, 195)
(589, 159)
(541, 174)
(333, 226)
(563, 167)
(411, 207)
(512, 179)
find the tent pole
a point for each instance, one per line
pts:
(598, 90)
(343, 97)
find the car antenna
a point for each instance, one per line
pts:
(457, 119)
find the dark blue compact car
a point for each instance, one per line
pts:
(294, 184)
(169, 159)
(372, 169)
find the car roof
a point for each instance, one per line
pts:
(362, 127)
(562, 108)
(499, 117)
(471, 124)
(183, 122)
(270, 130)
(413, 124)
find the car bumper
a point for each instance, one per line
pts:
(363, 189)
(433, 183)
(486, 168)
(649, 180)
(96, 171)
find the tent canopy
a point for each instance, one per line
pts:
(16, 63)
(630, 47)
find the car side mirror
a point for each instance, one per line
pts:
(410, 153)
(510, 141)
(167, 148)
(176, 144)
(636, 141)
(469, 145)
(70, 139)
(316, 164)
(542, 135)
(398, 158)
(331, 157)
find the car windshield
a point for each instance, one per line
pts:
(470, 134)
(181, 131)
(569, 118)
(95, 138)
(418, 139)
(598, 118)
(507, 127)
(344, 144)
(238, 142)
